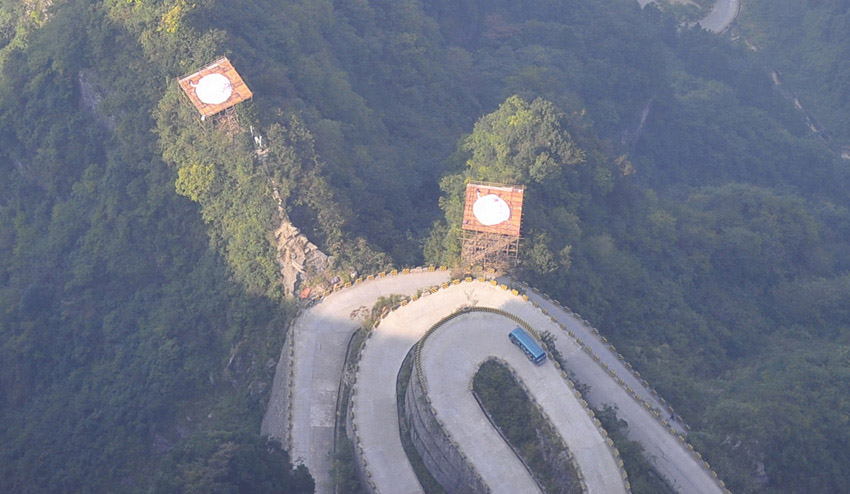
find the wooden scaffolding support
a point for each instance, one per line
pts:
(490, 249)
(492, 245)
(223, 67)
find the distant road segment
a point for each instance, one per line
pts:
(721, 16)
(319, 339)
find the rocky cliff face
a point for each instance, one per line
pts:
(298, 258)
(92, 93)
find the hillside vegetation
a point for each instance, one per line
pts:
(806, 43)
(528, 431)
(674, 199)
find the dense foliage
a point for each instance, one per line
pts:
(527, 143)
(675, 199)
(687, 11)
(122, 333)
(218, 463)
(528, 431)
(696, 285)
(806, 44)
(642, 477)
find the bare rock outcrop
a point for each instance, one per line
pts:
(92, 93)
(298, 258)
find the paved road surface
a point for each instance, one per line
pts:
(378, 370)
(450, 357)
(374, 400)
(320, 337)
(602, 350)
(671, 459)
(721, 16)
(321, 334)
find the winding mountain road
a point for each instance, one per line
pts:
(721, 16)
(318, 345)
(302, 407)
(450, 358)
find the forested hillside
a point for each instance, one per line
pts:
(122, 334)
(675, 199)
(807, 44)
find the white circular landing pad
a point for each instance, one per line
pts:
(491, 210)
(214, 89)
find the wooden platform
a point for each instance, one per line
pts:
(224, 67)
(511, 195)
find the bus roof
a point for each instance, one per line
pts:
(528, 342)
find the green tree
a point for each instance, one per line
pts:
(226, 463)
(526, 144)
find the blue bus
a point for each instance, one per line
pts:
(527, 344)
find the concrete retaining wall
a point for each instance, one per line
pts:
(362, 468)
(280, 397)
(439, 453)
(441, 456)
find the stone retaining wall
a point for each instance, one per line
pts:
(280, 397)
(659, 413)
(438, 451)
